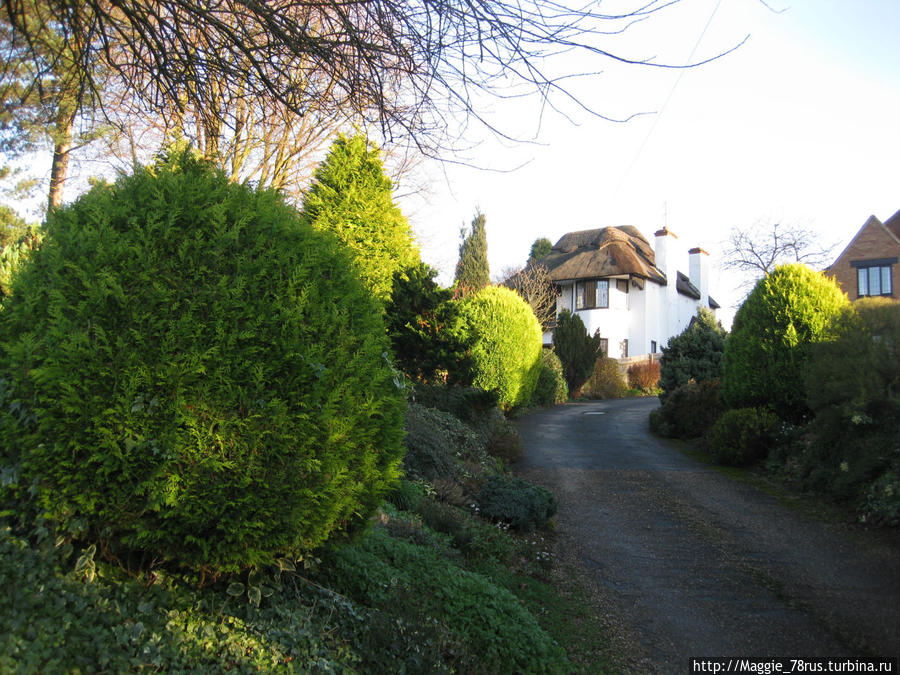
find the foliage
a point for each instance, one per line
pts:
(606, 380)
(577, 350)
(437, 442)
(479, 617)
(505, 343)
(882, 500)
(14, 254)
(644, 376)
(742, 436)
(694, 354)
(193, 376)
(855, 370)
(420, 322)
(539, 249)
(57, 621)
(534, 285)
(851, 388)
(351, 198)
(689, 411)
(523, 505)
(472, 270)
(551, 384)
(12, 226)
(768, 349)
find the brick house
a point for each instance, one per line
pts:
(868, 266)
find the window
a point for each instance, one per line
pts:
(625, 348)
(873, 277)
(604, 346)
(652, 346)
(592, 294)
(622, 285)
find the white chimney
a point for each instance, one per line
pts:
(699, 273)
(667, 313)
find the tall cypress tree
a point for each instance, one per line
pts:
(351, 197)
(472, 271)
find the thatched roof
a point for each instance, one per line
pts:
(607, 252)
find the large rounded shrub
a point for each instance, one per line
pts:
(202, 379)
(505, 343)
(768, 350)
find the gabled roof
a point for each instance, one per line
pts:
(892, 225)
(606, 252)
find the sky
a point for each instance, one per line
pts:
(799, 125)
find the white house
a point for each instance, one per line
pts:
(630, 292)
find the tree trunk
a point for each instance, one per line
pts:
(65, 124)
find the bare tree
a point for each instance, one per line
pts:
(533, 283)
(756, 251)
(407, 69)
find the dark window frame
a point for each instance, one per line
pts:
(590, 285)
(874, 275)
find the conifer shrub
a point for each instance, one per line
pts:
(689, 411)
(694, 354)
(606, 380)
(202, 378)
(523, 505)
(577, 350)
(550, 388)
(742, 436)
(351, 198)
(505, 343)
(768, 350)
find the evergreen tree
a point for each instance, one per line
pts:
(577, 350)
(694, 354)
(472, 271)
(539, 249)
(351, 198)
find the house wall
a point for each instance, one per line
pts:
(873, 242)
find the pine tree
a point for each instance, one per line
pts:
(472, 271)
(351, 197)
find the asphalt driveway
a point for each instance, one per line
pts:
(693, 563)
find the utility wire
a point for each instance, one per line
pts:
(656, 119)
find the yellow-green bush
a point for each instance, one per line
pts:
(191, 371)
(505, 343)
(768, 350)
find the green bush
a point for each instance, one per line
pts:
(605, 381)
(882, 500)
(694, 354)
(480, 617)
(204, 382)
(689, 411)
(351, 197)
(551, 384)
(420, 319)
(523, 505)
(851, 388)
(577, 350)
(505, 343)
(768, 350)
(742, 436)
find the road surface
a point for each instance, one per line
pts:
(693, 563)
